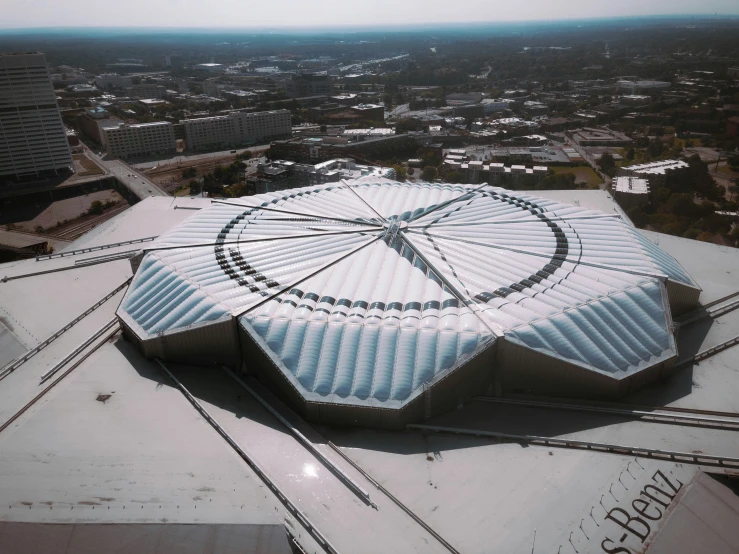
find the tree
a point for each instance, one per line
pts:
(96, 208)
(607, 164)
(428, 173)
(189, 173)
(195, 188)
(558, 181)
(400, 172)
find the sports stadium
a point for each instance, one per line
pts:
(378, 303)
(371, 366)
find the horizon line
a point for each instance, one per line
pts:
(377, 27)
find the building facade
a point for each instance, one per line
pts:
(631, 191)
(654, 172)
(283, 174)
(309, 84)
(147, 90)
(209, 132)
(140, 140)
(237, 128)
(92, 121)
(109, 81)
(33, 142)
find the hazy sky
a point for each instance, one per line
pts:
(292, 13)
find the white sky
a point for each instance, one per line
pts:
(323, 13)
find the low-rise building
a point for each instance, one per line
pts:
(139, 140)
(654, 172)
(309, 84)
(460, 98)
(147, 90)
(150, 103)
(498, 174)
(590, 136)
(111, 81)
(216, 89)
(209, 67)
(92, 121)
(370, 112)
(240, 96)
(317, 149)
(493, 105)
(648, 87)
(372, 132)
(284, 174)
(631, 191)
(82, 89)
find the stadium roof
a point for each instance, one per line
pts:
(367, 292)
(145, 455)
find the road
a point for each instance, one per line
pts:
(606, 179)
(180, 158)
(133, 180)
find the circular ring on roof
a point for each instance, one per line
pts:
(238, 266)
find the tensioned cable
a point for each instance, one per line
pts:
(302, 214)
(363, 200)
(548, 256)
(453, 289)
(449, 202)
(313, 274)
(264, 239)
(526, 219)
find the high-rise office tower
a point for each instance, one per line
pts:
(33, 142)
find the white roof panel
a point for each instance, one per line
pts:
(365, 291)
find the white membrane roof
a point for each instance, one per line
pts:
(365, 291)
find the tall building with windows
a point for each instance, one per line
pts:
(33, 142)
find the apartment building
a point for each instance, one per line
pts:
(209, 133)
(140, 140)
(258, 126)
(237, 128)
(33, 142)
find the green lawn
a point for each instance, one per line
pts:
(583, 174)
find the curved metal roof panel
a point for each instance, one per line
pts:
(364, 292)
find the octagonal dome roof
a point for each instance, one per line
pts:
(365, 291)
